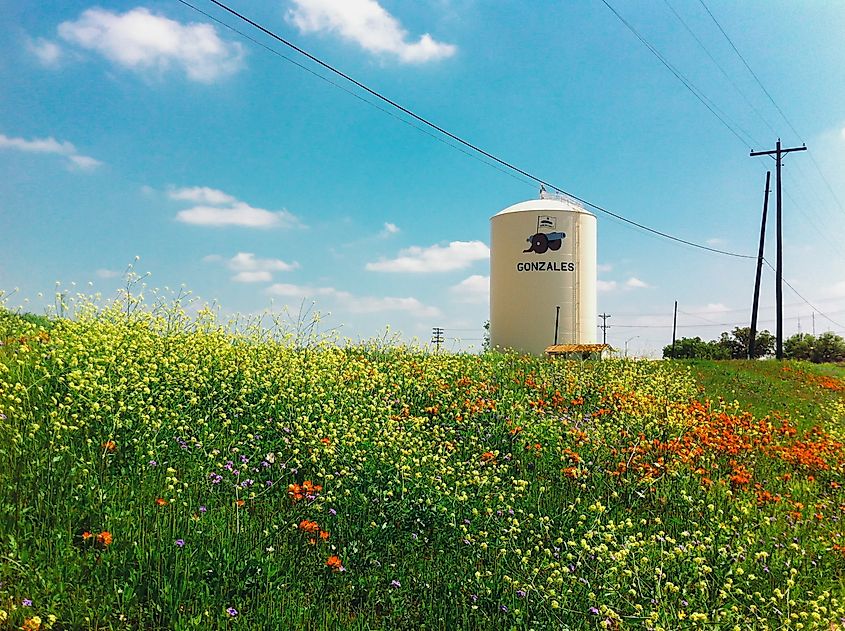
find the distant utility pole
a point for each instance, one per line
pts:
(557, 320)
(778, 154)
(437, 336)
(604, 326)
(674, 328)
(753, 334)
(814, 324)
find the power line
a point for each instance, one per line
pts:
(354, 94)
(753, 74)
(722, 69)
(777, 107)
(714, 109)
(810, 304)
(408, 112)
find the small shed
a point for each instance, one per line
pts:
(578, 351)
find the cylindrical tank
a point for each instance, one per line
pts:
(542, 275)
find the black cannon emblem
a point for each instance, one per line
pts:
(544, 241)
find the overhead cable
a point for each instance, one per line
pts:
(508, 165)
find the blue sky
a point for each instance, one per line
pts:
(146, 129)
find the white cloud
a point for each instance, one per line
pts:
(355, 304)
(473, 289)
(716, 242)
(259, 276)
(842, 132)
(368, 24)
(231, 211)
(636, 283)
(52, 146)
(250, 269)
(107, 273)
(86, 163)
(389, 229)
(238, 214)
(201, 195)
(605, 267)
(606, 285)
(141, 40)
(38, 145)
(246, 262)
(457, 255)
(47, 52)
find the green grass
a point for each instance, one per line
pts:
(770, 387)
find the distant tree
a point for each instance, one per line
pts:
(800, 347)
(829, 347)
(696, 348)
(736, 343)
(485, 343)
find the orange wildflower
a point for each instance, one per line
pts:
(240, 503)
(309, 526)
(326, 440)
(86, 535)
(32, 624)
(110, 446)
(324, 535)
(487, 456)
(571, 472)
(161, 501)
(334, 563)
(104, 539)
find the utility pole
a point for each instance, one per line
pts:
(604, 326)
(437, 336)
(674, 328)
(814, 324)
(557, 320)
(753, 333)
(778, 153)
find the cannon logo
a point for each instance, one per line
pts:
(546, 238)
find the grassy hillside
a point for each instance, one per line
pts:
(801, 391)
(158, 472)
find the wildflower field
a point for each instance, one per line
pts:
(165, 472)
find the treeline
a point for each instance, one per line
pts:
(827, 347)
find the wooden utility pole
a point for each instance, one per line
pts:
(674, 328)
(752, 336)
(604, 327)
(778, 154)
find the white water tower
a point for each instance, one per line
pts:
(542, 275)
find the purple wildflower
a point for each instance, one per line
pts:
(503, 608)
(594, 611)
(474, 598)
(395, 583)
(232, 611)
(332, 512)
(180, 543)
(26, 602)
(153, 463)
(521, 593)
(203, 509)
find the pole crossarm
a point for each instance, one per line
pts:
(775, 151)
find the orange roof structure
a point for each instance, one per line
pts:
(566, 349)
